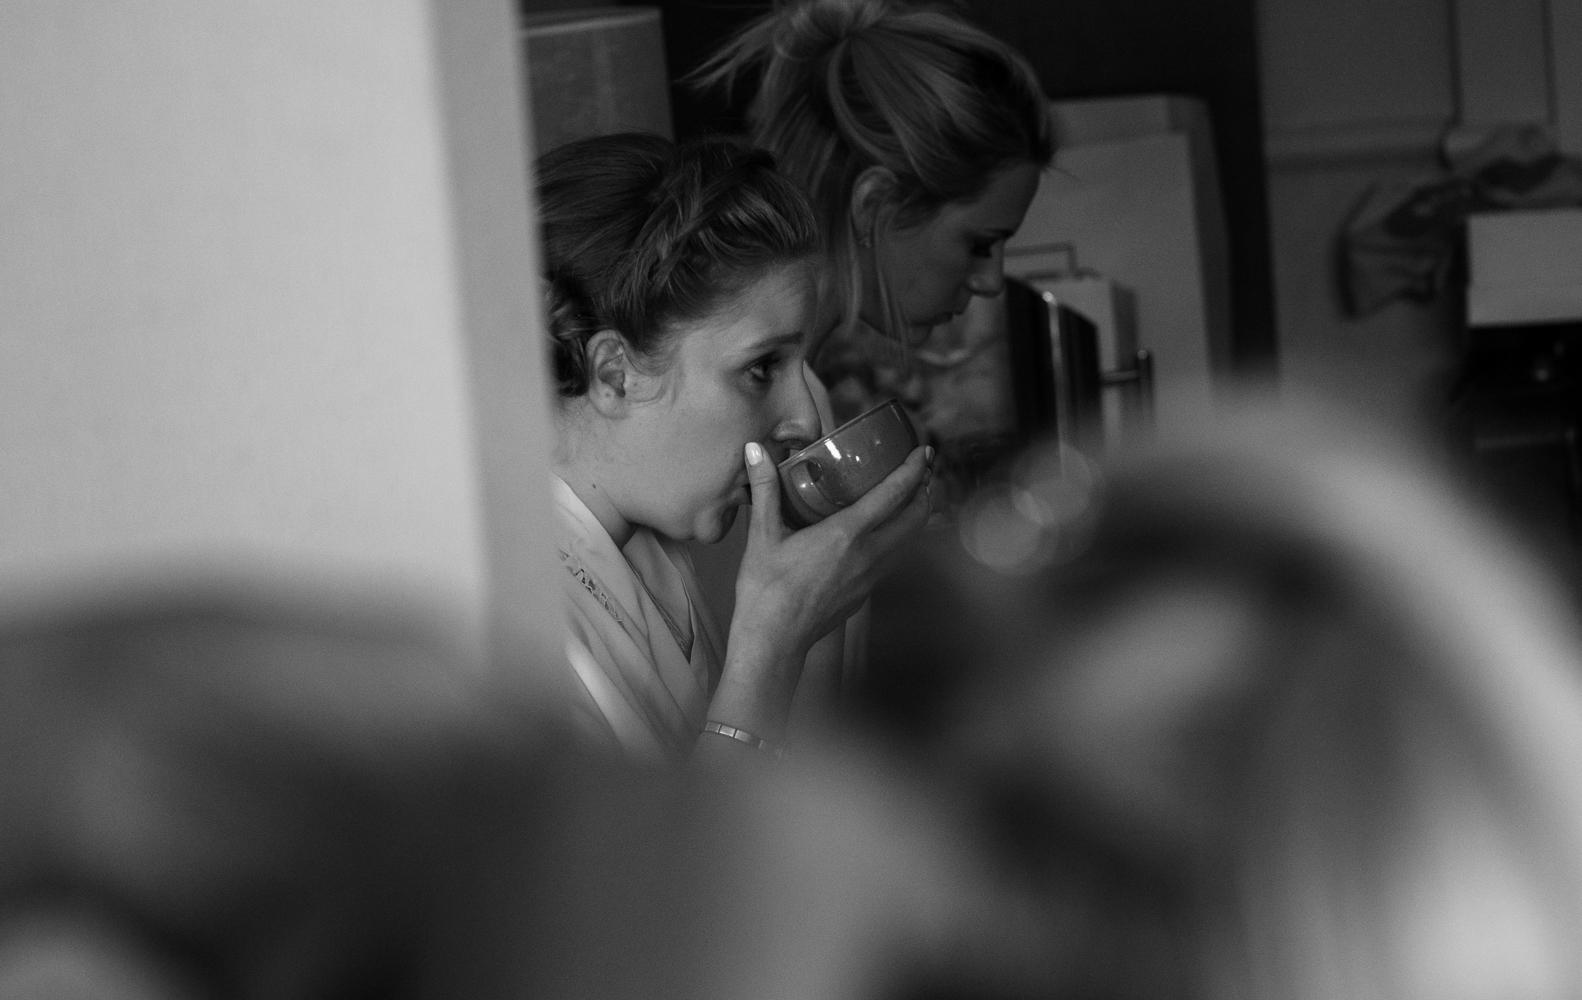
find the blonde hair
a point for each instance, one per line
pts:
(845, 85)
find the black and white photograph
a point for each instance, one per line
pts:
(791, 499)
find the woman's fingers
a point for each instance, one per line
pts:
(822, 573)
(764, 482)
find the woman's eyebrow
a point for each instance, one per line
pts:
(783, 339)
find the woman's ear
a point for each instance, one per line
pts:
(609, 365)
(871, 193)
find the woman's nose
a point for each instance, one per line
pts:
(799, 421)
(988, 277)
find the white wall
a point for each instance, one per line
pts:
(1343, 72)
(243, 301)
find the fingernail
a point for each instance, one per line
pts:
(755, 453)
(928, 453)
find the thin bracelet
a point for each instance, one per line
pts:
(742, 735)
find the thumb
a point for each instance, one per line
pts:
(764, 482)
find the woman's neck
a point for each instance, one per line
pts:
(585, 483)
(579, 462)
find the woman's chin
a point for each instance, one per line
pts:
(714, 528)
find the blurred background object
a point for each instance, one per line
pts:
(1135, 195)
(594, 71)
(1525, 266)
(1124, 371)
(1363, 97)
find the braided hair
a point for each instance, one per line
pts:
(844, 85)
(642, 235)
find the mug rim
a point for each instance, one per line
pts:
(892, 401)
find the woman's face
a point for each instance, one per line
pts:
(732, 378)
(934, 268)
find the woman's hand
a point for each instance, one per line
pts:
(806, 582)
(795, 586)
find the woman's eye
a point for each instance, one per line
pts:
(984, 248)
(762, 370)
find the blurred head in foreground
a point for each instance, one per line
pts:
(1291, 720)
(224, 792)
(237, 794)
(1260, 716)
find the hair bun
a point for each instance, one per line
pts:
(813, 26)
(790, 42)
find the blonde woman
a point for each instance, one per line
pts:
(919, 138)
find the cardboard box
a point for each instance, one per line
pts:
(1525, 267)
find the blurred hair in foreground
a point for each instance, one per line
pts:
(1292, 718)
(1259, 714)
(238, 794)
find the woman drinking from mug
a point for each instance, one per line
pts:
(681, 303)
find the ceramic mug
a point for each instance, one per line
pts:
(841, 466)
